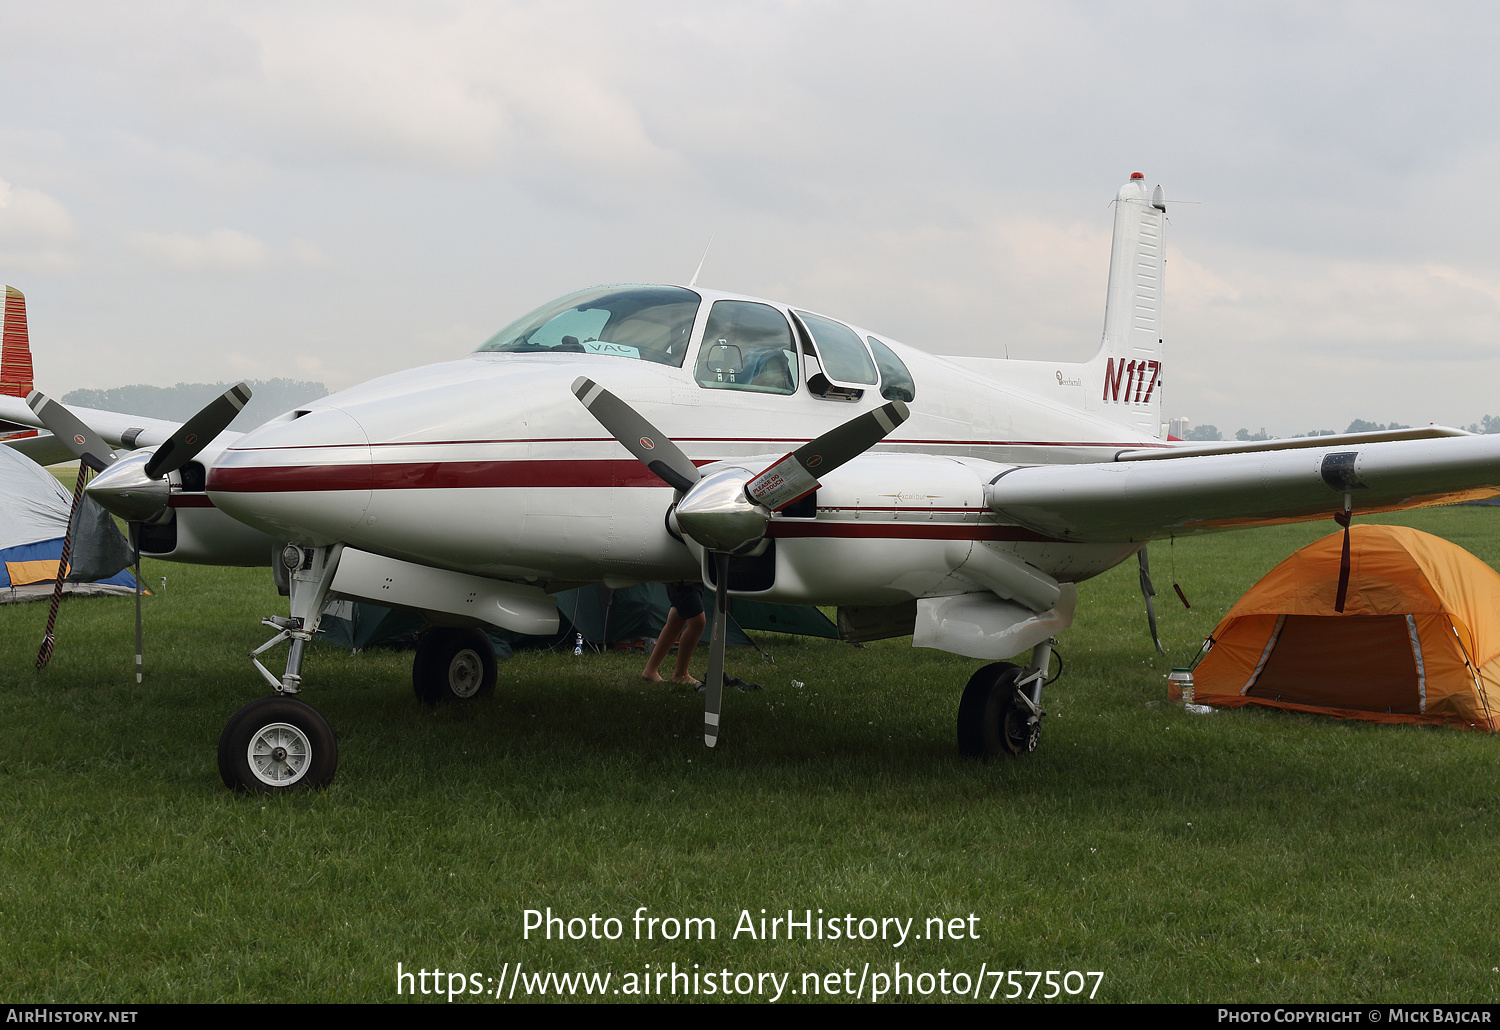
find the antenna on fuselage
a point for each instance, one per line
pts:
(704, 258)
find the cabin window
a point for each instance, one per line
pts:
(651, 323)
(896, 383)
(840, 352)
(747, 346)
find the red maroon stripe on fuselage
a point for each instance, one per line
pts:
(432, 475)
(572, 474)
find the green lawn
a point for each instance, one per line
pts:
(1245, 855)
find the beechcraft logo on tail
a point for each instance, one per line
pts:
(1139, 378)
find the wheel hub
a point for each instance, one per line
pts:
(279, 754)
(465, 673)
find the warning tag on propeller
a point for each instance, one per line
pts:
(781, 484)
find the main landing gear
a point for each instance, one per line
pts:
(1001, 709)
(453, 665)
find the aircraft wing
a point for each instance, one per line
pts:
(1191, 449)
(1133, 498)
(118, 430)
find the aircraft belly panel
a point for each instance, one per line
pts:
(475, 599)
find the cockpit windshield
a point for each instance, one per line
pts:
(652, 323)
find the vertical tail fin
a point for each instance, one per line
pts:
(1125, 376)
(15, 347)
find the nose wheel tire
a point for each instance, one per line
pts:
(991, 720)
(277, 744)
(453, 665)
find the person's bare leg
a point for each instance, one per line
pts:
(664, 642)
(692, 632)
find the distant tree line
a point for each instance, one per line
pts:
(1489, 424)
(269, 398)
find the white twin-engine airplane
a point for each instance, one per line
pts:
(770, 451)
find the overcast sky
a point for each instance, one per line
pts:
(202, 192)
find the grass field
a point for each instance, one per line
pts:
(1245, 855)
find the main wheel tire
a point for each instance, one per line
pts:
(990, 720)
(277, 744)
(453, 665)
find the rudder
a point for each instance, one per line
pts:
(1125, 375)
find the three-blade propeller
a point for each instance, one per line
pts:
(728, 511)
(135, 487)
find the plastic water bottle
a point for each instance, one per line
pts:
(578, 647)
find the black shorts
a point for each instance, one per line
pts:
(687, 598)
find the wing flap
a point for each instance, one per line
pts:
(1139, 500)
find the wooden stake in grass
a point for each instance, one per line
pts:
(44, 655)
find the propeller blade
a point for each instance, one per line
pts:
(135, 546)
(70, 431)
(639, 437)
(713, 680)
(194, 434)
(796, 475)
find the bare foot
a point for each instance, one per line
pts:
(688, 682)
(654, 677)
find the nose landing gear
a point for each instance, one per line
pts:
(1001, 709)
(281, 743)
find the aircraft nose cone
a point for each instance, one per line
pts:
(306, 479)
(125, 490)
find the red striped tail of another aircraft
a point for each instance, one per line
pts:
(15, 347)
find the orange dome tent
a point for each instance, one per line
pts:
(1418, 639)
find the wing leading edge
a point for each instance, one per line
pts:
(1140, 500)
(122, 431)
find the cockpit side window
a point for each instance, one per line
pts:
(843, 356)
(652, 323)
(896, 383)
(747, 346)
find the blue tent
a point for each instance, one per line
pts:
(33, 521)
